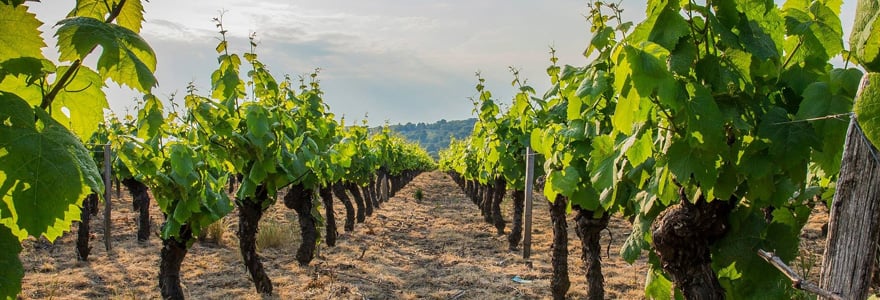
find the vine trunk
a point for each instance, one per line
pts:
(171, 257)
(588, 230)
(339, 191)
(682, 237)
(141, 204)
(560, 283)
(299, 198)
(250, 211)
(516, 228)
(326, 194)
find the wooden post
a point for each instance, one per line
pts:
(855, 214)
(107, 188)
(530, 174)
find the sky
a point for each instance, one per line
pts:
(387, 60)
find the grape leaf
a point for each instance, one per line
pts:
(602, 162)
(126, 58)
(686, 161)
(865, 38)
(21, 34)
(790, 142)
(131, 16)
(150, 118)
(36, 155)
(705, 121)
(18, 85)
(867, 108)
(562, 182)
(657, 286)
(13, 272)
(641, 149)
(84, 101)
(819, 101)
(671, 27)
(12, 2)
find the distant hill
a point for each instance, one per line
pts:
(435, 136)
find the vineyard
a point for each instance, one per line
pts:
(706, 145)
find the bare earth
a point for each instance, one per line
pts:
(436, 248)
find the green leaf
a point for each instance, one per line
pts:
(150, 118)
(13, 272)
(686, 161)
(257, 122)
(602, 162)
(638, 239)
(867, 108)
(626, 111)
(749, 276)
(790, 142)
(45, 170)
(663, 25)
(820, 102)
(864, 40)
(21, 34)
(657, 286)
(648, 63)
(815, 33)
(126, 58)
(84, 100)
(132, 15)
(641, 149)
(12, 2)
(19, 86)
(564, 182)
(760, 32)
(705, 122)
(670, 26)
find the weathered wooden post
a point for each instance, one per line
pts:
(854, 223)
(530, 174)
(107, 188)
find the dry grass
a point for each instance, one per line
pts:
(274, 235)
(436, 248)
(216, 232)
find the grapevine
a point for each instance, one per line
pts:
(43, 145)
(706, 117)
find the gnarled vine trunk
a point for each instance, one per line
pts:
(89, 209)
(560, 283)
(250, 211)
(326, 194)
(171, 257)
(486, 203)
(358, 201)
(516, 227)
(299, 198)
(141, 204)
(682, 236)
(339, 191)
(497, 196)
(588, 230)
(373, 190)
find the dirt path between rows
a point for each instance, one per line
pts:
(436, 248)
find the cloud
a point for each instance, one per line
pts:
(407, 61)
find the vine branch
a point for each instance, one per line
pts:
(797, 281)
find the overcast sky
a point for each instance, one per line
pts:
(396, 60)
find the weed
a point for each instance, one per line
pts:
(214, 233)
(419, 195)
(274, 235)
